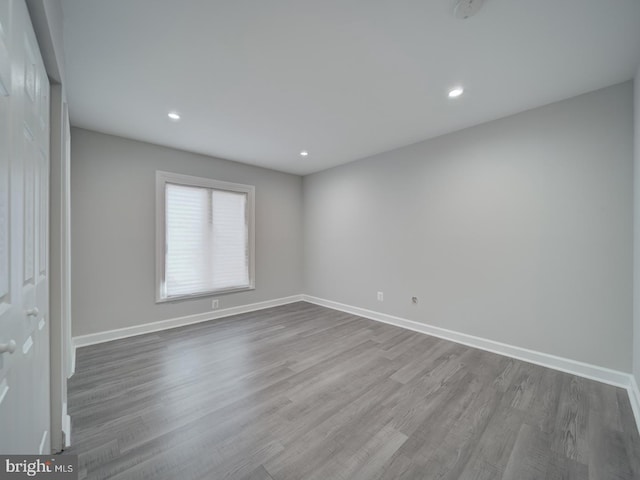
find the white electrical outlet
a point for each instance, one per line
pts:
(214, 304)
(380, 296)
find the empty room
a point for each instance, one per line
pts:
(318, 240)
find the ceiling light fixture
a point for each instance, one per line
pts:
(173, 116)
(464, 9)
(304, 153)
(456, 92)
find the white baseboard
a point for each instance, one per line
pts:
(634, 398)
(592, 372)
(66, 426)
(67, 430)
(73, 359)
(43, 443)
(109, 335)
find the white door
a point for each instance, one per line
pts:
(24, 206)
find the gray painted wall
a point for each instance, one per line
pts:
(518, 230)
(636, 229)
(113, 233)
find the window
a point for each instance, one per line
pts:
(204, 236)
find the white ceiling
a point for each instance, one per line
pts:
(257, 81)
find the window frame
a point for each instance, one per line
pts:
(162, 178)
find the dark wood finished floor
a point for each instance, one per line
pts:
(301, 392)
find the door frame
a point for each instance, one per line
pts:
(62, 352)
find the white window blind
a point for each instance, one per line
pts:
(207, 238)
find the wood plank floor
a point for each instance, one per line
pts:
(301, 392)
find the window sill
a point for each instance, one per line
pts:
(215, 293)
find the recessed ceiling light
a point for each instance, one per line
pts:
(456, 92)
(173, 116)
(304, 153)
